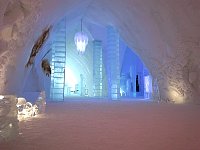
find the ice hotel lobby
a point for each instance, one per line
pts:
(99, 75)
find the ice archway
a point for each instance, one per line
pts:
(166, 35)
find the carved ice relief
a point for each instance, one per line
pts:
(36, 48)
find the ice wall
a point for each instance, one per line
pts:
(8, 118)
(166, 35)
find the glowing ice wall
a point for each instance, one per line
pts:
(113, 71)
(79, 66)
(132, 76)
(58, 63)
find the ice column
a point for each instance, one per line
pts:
(97, 68)
(147, 86)
(113, 72)
(58, 63)
(132, 72)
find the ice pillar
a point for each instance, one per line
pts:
(58, 63)
(97, 68)
(113, 71)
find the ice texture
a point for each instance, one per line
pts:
(165, 34)
(8, 118)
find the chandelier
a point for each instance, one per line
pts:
(81, 40)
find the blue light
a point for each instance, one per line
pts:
(81, 41)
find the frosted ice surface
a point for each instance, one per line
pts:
(8, 118)
(111, 125)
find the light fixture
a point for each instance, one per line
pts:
(81, 40)
(1, 97)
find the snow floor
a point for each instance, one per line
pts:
(110, 125)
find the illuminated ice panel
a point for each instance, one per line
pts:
(147, 86)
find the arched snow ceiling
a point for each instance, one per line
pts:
(165, 33)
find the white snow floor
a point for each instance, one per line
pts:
(111, 125)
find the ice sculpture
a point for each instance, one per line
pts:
(26, 109)
(8, 118)
(13, 110)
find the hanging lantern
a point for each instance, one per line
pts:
(81, 40)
